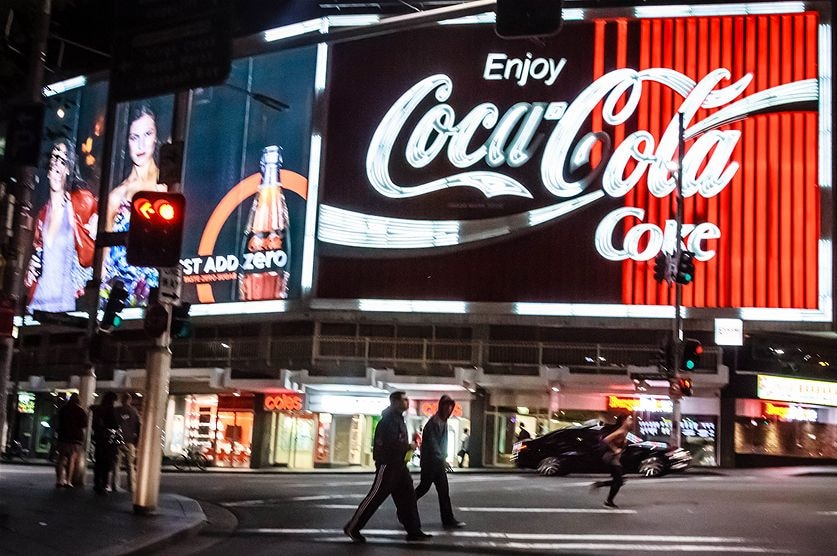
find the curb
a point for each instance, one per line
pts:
(151, 544)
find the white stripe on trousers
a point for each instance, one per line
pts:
(375, 487)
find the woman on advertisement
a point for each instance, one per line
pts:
(64, 237)
(142, 149)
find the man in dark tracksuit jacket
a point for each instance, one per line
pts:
(391, 474)
(434, 465)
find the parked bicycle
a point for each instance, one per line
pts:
(191, 458)
(15, 450)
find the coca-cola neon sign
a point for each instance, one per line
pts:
(575, 141)
(707, 164)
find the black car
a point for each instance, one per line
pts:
(577, 449)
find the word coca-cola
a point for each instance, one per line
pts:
(266, 247)
(707, 163)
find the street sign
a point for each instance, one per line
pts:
(729, 332)
(61, 319)
(23, 144)
(171, 285)
(173, 50)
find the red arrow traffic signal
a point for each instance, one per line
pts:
(156, 229)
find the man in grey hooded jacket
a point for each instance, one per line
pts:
(434, 465)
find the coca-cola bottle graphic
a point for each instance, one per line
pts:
(263, 268)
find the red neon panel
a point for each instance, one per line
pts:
(769, 213)
(812, 206)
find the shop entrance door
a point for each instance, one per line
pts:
(293, 441)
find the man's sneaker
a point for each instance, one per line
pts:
(454, 525)
(609, 504)
(418, 536)
(354, 534)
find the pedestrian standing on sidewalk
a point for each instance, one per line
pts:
(391, 474)
(72, 429)
(129, 425)
(613, 444)
(434, 465)
(523, 434)
(107, 436)
(465, 449)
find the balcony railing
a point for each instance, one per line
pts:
(415, 354)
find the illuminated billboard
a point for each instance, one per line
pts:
(540, 178)
(245, 183)
(65, 200)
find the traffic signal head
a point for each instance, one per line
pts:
(116, 302)
(528, 18)
(664, 358)
(686, 268)
(156, 319)
(181, 327)
(685, 385)
(661, 267)
(692, 350)
(155, 233)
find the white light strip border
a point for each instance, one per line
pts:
(64, 86)
(657, 12)
(321, 71)
(310, 240)
(240, 308)
(352, 20)
(825, 90)
(418, 306)
(295, 29)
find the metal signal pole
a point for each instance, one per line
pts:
(677, 330)
(158, 365)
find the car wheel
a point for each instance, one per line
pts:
(651, 467)
(550, 466)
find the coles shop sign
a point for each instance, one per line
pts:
(477, 165)
(286, 401)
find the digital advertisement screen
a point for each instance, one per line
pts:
(65, 200)
(245, 183)
(522, 171)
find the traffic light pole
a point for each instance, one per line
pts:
(677, 325)
(158, 368)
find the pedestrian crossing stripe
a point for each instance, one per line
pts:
(538, 541)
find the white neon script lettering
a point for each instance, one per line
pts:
(438, 127)
(499, 66)
(707, 165)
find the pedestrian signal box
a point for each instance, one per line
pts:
(156, 229)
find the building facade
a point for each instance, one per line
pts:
(481, 225)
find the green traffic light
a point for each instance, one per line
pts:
(117, 321)
(690, 364)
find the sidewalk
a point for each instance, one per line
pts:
(43, 520)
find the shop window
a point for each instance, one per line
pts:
(233, 438)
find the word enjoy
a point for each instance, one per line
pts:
(500, 66)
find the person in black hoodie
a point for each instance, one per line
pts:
(391, 474)
(434, 465)
(106, 435)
